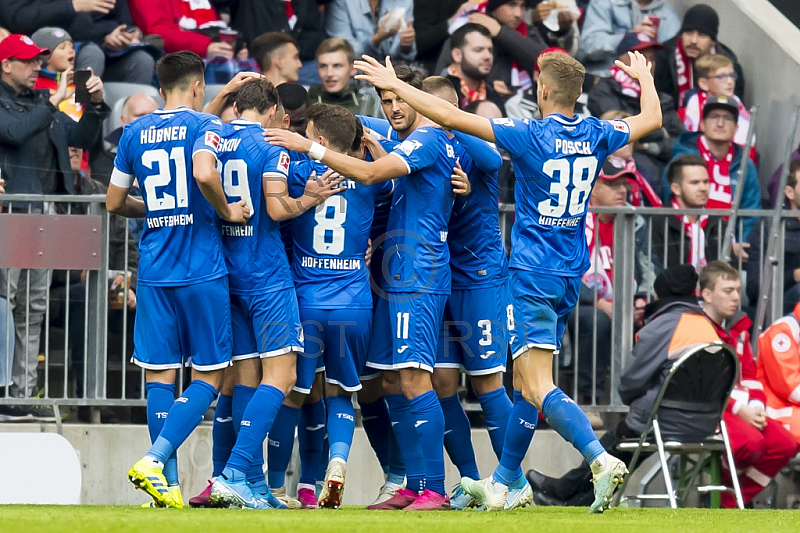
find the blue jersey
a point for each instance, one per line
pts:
(254, 253)
(330, 242)
(556, 161)
(381, 126)
(416, 234)
(477, 256)
(180, 242)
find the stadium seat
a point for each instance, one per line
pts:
(700, 381)
(115, 94)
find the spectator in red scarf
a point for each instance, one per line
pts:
(723, 158)
(676, 72)
(472, 62)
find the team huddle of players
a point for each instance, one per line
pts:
(216, 285)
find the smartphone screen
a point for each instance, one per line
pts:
(79, 79)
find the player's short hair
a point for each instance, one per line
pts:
(564, 76)
(675, 170)
(264, 47)
(614, 114)
(293, 95)
(440, 87)
(356, 146)
(258, 94)
(336, 44)
(335, 123)
(459, 37)
(178, 70)
(794, 168)
(708, 64)
(714, 271)
(404, 73)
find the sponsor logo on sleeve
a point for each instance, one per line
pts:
(503, 121)
(212, 140)
(621, 125)
(409, 146)
(283, 162)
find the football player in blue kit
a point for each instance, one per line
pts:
(267, 335)
(415, 289)
(556, 161)
(333, 290)
(183, 305)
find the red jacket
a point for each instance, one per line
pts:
(749, 390)
(164, 18)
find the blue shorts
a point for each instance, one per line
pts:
(177, 324)
(336, 341)
(474, 335)
(405, 331)
(542, 304)
(265, 325)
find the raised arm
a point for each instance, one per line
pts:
(444, 114)
(649, 118)
(281, 206)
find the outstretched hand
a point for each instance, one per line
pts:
(381, 76)
(287, 139)
(638, 68)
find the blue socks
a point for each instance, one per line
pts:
(242, 395)
(519, 433)
(429, 423)
(309, 439)
(496, 409)
(222, 434)
(257, 420)
(160, 398)
(564, 415)
(458, 437)
(377, 426)
(403, 427)
(341, 425)
(183, 417)
(281, 443)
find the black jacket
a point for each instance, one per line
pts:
(27, 16)
(666, 75)
(791, 256)
(431, 25)
(673, 243)
(23, 117)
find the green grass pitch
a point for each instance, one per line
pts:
(95, 519)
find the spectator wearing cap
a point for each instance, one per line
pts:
(674, 323)
(621, 92)
(517, 46)
(524, 104)
(34, 158)
(60, 62)
(715, 76)
(676, 72)
(610, 190)
(473, 58)
(606, 22)
(106, 39)
(723, 157)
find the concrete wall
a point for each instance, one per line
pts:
(768, 47)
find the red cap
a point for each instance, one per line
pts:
(17, 46)
(546, 51)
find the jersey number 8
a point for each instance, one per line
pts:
(329, 227)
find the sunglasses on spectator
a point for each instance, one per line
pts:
(722, 77)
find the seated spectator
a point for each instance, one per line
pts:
(621, 92)
(761, 446)
(716, 76)
(472, 62)
(714, 143)
(433, 24)
(610, 190)
(775, 181)
(524, 104)
(778, 366)
(294, 98)
(335, 66)
(674, 323)
(676, 69)
(183, 25)
(376, 28)
(563, 32)
(692, 239)
(606, 22)
(645, 184)
(101, 160)
(791, 248)
(517, 45)
(61, 61)
(107, 40)
(278, 57)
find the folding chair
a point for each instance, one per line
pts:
(700, 381)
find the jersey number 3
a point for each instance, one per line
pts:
(573, 188)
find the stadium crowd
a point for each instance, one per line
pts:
(56, 56)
